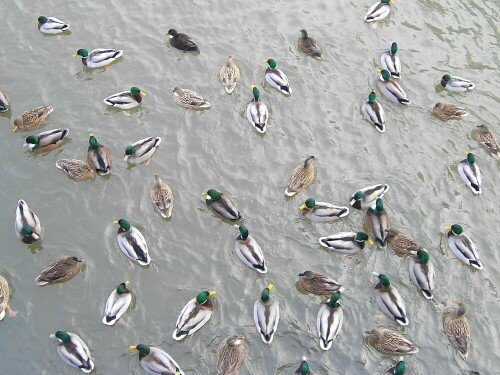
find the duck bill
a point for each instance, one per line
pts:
(132, 347)
(303, 207)
(370, 242)
(447, 228)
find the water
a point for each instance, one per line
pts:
(193, 251)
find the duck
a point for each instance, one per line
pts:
(249, 251)
(374, 112)
(98, 57)
(470, 173)
(309, 46)
(266, 315)
(301, 177)
(276, 78)
(229, 75)
(447, 111)
(487, 140)
(422, 272)
(142, 151)
(329, 321)
(98, 157)
(319, 284)
(4, 102)
(345, 242)
(389, 300)
(155, 361)
(59, 271)
(456, 84)
(182, 41)
(222, 206)
(117, 303)
(457, 329)
(391, 89)
(391, 342)
(126, 99)
(32, 118)
(4, 297)
(230, 355)
(378, 223)
(73, 351)
(76, 169)
(194, 315)
(399, 369)
(378, 11)
(28, 227)
(51, 25)
(401, 243)
(322, 212)
(132, 243)
(367, 196)
(463, 247)
(189, 99)
(46, 141)
(257, 112)
(303, 368)
(161, 197)
(390, 61)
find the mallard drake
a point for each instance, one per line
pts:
(309, 46)
(463, 247)
(98, 57)
(401, 243)
(266, 315)
(345, 242)
(46, 141)
(470, 173)
(32, 118)
(142, 150)
(161, 197)
(117, 304)
(51, 25)
(59, 271)
(374, 112)
(457, 84)
(391, 62)
(156, 361)
(329, 321)
(230, 355)
(132, 243)
(391, 89)
(276, 78)
(366, 197)
(391, 342)
(487, 140)
(399, 369)
(189, 99)
(73, 351)
(126, 99)
(182, 41)
(301, 177)
(456, 328)
(221, 206)
(303, 368)
(4, 297)
(389, 300)
(378, 11)
(322, 212)
(257, 113)
(319, 284)
(98, 157)
(4, 102)
(249, 251)
(28, 227)
(448, 111)
(194, 315)
(229, 75)
(76, 169)
(422, 272)
(378, 223)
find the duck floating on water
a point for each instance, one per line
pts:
(389, 300)
(98, 57)
(59, 271)
(309, 45)
(230, 355)
(155, 361)
(32, 118)
(391, 89)
(189, 99)
(51, 25)
(276, 78)
(126, 99)
(27, 224)
(266, 315)
(182, 41)
(222, 206)
(390, 61)
(487, 140)
(73, 351)
(374, 112)
(448, 111)
(367, 196)
(46, 141)
(132, 243)
(457, 329)
(229, 75)
(301, 177)
(249, 251)
(422, 272)
(391, 342)
(456, 84)
(142, 151)
(257, 113)
(378, 11)
(463, 247)
(98, 157)
(322, 212)
(470, 173)
(75, 169)
(161, 197)
(329, 321)
(117, 304)
(194, 315)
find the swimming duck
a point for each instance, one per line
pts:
(28, 227)
(182, 41)
(132, 243)
(51, 25)
(230, 355)
(46, 141)
(391, 342)
(4, 297)
(276, 78)
(422, 272)
(229, 75)
(329, 321)
(59, 271)
(161, 197)
(401, 243)
(366, 197)
(194, 315)
(249, 251)
(487, 140)
(155, 361)
(303, 368)
(189, 99)
(399, 369)
(257, 113)
(266, 315)
(457, 84)
(457, 329)
(117, 304)
(448, 111)
(378, 11)
(301, 177)
(374, 112)
(322, 212)
(76, 169)
(73, 351)
(98, 57)
(378, 223)
(126, 99)
(345, 242)
(391, 62)
(470, 173)
(4, 103)
(391, 89)
(221, 206)
(98, 157)
(309, 46)
(32, 118)
(389, 300)
(142, 150)
(319, 284)
(463, 247)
